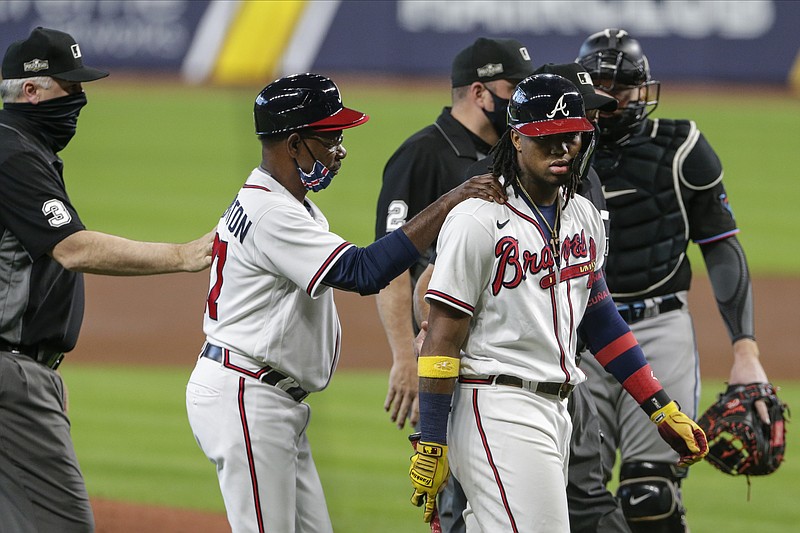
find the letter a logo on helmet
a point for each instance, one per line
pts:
(546, 104)
(560, 106)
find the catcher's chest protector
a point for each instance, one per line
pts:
(648, 224)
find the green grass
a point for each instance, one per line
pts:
(753, 137)
(134, 444)
(162, 162)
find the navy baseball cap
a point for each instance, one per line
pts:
(575, 73)
(491, 59)
(48, 52)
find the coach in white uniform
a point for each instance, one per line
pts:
(512, 282)
(272, 331)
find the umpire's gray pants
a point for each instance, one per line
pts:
(592, 508)
(41, 486)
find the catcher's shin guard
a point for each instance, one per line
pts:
(650, 496)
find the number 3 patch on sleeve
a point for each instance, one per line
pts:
(57, 213)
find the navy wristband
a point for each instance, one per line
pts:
(434, 411)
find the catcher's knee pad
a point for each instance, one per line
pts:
(650, 496)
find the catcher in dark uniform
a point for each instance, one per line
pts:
(662, 183)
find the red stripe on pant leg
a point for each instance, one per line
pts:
(250, 463)
(489, 458)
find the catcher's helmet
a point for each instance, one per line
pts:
(547, 104)
(615, 61)
(303, 101)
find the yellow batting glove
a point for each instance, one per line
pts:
(681, 433)
(429, 472)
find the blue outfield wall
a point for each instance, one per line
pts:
(684, 40)
(717, 40)
(146, 35)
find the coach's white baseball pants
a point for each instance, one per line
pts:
(255, 434)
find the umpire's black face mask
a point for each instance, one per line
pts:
(498, 118)
(56, 120)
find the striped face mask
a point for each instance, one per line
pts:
(319, 177)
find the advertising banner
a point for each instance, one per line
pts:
(142, 35)
(684, 40)
(230, 41)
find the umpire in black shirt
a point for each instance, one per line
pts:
(44, 248)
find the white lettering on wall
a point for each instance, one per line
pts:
(121, 29)
(690, 19)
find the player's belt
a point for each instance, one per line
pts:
(559, 390)
(633, 312)
(265, 374)
(48, 358)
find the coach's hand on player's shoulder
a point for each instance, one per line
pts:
(681, 433)
(197, 253)
(485, 186)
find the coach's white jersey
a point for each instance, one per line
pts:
(494, 264)
(266, 300)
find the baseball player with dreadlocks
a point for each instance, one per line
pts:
(592, 507)
(512, 284)
(663, 186)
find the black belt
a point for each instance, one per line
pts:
(266, 374)
(633, 312)
(560, 390)
(45, 357)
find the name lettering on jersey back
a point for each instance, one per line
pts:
(515, 264)
(236, 220)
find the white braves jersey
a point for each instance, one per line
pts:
(266, 299)
(494, 264)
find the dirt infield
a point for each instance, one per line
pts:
(158, 321)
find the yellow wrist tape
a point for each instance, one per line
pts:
(438, 366)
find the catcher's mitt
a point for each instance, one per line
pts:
(739, 442)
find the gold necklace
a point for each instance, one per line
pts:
(555, 241)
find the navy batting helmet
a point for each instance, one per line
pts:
(303, 101)
(615, 61)
(545, 104)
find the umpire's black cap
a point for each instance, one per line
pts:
(48, 52)
(583, 81)
(491, 59)
(303, 101)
